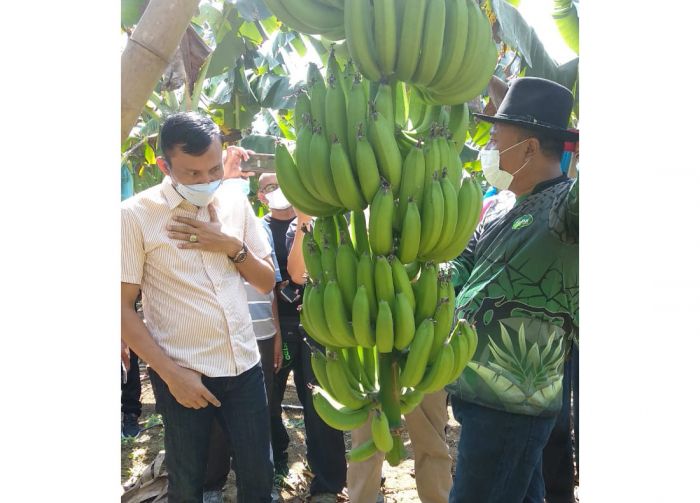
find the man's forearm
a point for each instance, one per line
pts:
(295, 262)
(137, 337)
(258, 272)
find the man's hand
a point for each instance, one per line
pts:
(232, 157)
(277, 353)
(187, 388)
(207, 235)
(126, 356)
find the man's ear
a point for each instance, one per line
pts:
(533, 146)
(163, 165)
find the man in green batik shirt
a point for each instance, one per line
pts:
(518, 283)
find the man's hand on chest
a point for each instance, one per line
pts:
(205, 236)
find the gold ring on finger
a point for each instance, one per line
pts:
(193, 238)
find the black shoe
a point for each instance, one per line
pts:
(130, 425)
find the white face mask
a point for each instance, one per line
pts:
(243, 184)
(199, 194)
(277, 201)
(490, 165)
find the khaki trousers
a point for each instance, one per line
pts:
(433, 464)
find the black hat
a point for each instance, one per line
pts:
(539, 105)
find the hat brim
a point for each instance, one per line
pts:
(556, 133)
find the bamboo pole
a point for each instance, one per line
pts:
(148, 52)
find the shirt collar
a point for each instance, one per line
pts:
(171, 196)
(542, 186)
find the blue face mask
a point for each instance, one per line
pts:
(199, 194)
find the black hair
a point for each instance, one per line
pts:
(192, 132)
(551, 147)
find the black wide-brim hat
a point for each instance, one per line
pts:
(539, 105)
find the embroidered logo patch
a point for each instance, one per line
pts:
(522, 221)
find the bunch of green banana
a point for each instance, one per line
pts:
(443, 48)
(321, 17)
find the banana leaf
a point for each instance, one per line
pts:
(226, 54)
(565, 16)
(131, 12)
(517, 33)
(252, 10)
(261, 143)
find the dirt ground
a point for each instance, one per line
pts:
(398, 487)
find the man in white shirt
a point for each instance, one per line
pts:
(190, 253)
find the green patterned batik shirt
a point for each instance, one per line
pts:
(518, 283)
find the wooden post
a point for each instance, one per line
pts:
(148, 52)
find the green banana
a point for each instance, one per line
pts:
(469, 203)
(365, 277)
(356, 368)
(346, 273)
(317, 95)
(459, 125)
(321, 18)
(363, 451)
(292, 186)
(302, 108)
(450, 160)
(381, 434)
(437, 377)
(361, 324)
(460, 348)
(454, 43)
(366, 165)
(410, 401)
(444, 314)
(312, 257)
(385, 35)
(383, 280)
(358, 232)
(336, 317)
(431, 153)
(360, 42)
(319, 158)
(383, 100)
(402, 283)
(350, 366)
(470, 333)
(400, 104)
(338, 380)
(343, 179)
(318, 367)
(412, 269)
(431, 45)
(328, 260)
(301, 153)
(426, 292)
(343, 420)
(404, 326)
(410, 41)
(341, 225)
(335, 113)
(417, 355)
(412, 179)
(431, 217)
(357, 118)
(381, 217)
(316, 315)
(409, 242)
(279, 9)
(381, 136)
(369, 362)
(385, 328)
(450, 213)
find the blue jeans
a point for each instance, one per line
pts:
(499, 457)
(243, 416)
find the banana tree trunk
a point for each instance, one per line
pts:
(148, 52)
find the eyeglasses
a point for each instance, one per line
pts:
(269, 188)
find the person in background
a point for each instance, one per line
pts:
(325, 446)
(518, 282)
(189, 252)
(263, 313)
(131, 388)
